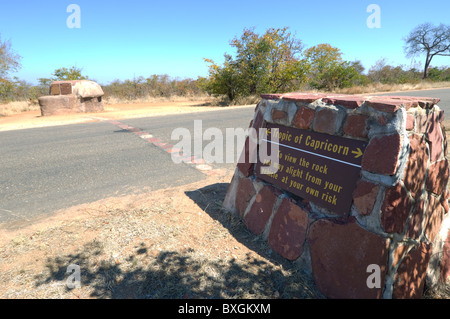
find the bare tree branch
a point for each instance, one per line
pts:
(430, 40)
(9, 60)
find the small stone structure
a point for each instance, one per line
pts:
(392, 235)
(72, 97)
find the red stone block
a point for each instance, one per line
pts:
(425, 102)
(441, 115)
(288, 230)
(261, 210)
(415, 223)
(410, 278)
(246, 163)
(410, 101)
(382, 120)
(271, 96)
(350, 102)
(435, 137)
(325, 121)
(438, 175)
(356, 125)
(382, 154)
(257, 106)
(435, 215)
(340, 256)
(259, 121)
(395, 209)
(410, 122)
(278, 115)
(364, 197)
(389, 105)
(246, 168)
(444, 134)
(444, 201)
(422, 121)
(416, 167)
(304, 118)
(303, 97)
(245, 193)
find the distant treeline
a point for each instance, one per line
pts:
(130, 89)
(156, 86)
(383, 73)
(153, 86)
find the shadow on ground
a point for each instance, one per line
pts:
(186, 274)
(210, 199)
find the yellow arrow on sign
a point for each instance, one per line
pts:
(358, 152)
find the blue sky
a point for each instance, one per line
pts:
(123, 39)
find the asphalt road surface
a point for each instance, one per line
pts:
(51, 168)
(46, 169)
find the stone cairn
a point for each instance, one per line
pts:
(398, 218)
(78, 96)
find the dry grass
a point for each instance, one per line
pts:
(379, 88)
(23, 106)
(175, 243)
(18, 107)
(112, 100)
(171, 244)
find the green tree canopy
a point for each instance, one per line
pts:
(65, 74)
(263, 63)
(327, 70)
(322, 57)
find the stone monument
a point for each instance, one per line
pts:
(77, 96)
(359, 198)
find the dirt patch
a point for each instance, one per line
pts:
(31, 119)
(173, 243)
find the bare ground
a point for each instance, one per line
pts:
(172, 243)
(33, 118)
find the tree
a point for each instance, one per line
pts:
(263, 63)
(328, 71)
(226, 80)
(429, 40)
(341, 75)
(321, 57)
(323, 60)
(9, 60)
(439, 74)
(65, 74)
(269, 63)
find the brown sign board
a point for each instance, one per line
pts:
(320, 168)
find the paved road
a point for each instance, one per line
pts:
(46, 169)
